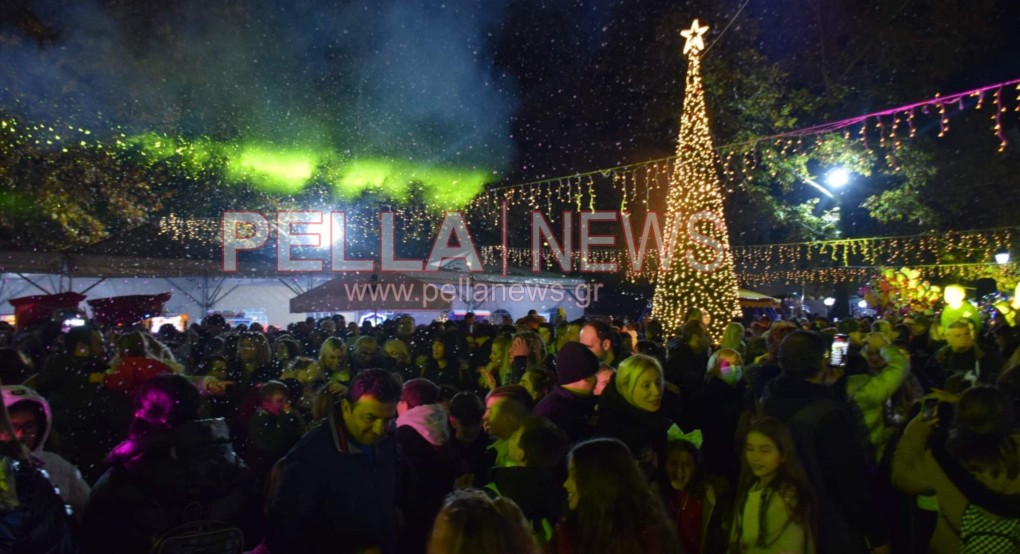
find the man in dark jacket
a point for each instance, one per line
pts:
(337, 493)
(962, 357)
(571, 405)
(830, 446)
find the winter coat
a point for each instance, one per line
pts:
(88, 419)
(684, 367)
(134, 504)
(64, 476)
(915, 470)
(335, 496)
(716, 411)
(474, 458)
(643, 432)
(570, 412)
(537, 491)
(270, 437)
(426, 472)
(454, 378)
(871, 391)
(984, 363)
(838, 468)
(32, 516)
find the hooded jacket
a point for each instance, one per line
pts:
(426, 471)
(64, 476)
(430, 421)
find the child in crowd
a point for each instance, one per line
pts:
(537, 449)
(273, 429)
(775, 510)
(471, 523)
(691, 500)
(604, 484)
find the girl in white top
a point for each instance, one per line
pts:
(775, 510)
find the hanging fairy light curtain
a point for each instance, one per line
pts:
(637, 186)
(953, 249)
(639, 182)
(1005, 275)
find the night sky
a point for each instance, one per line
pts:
(519, 89)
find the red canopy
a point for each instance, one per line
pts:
(39, 308)
(127, 309)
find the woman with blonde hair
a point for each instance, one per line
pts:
(630, 408)
(335, 362)
(733, 337)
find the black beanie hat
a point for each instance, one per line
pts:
(575, 362)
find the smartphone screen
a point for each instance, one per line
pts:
(840, 345)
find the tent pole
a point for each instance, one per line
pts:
(94, 285)
(33, 283)
(184, 292)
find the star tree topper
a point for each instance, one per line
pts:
(694, 37)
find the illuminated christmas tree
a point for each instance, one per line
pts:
(700, 275)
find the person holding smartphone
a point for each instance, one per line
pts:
(888, 366)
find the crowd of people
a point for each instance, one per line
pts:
(515, 437)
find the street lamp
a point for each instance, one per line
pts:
(837, 177)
